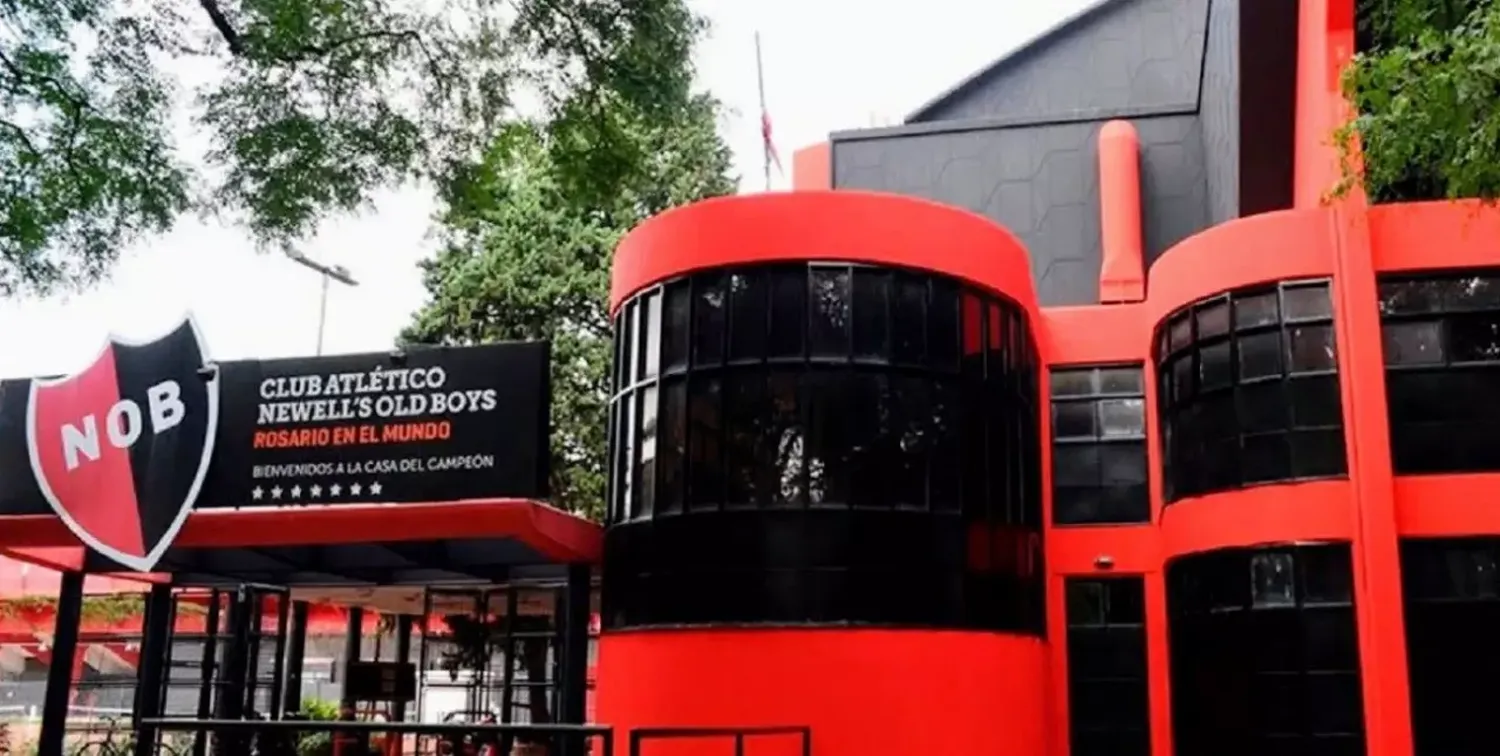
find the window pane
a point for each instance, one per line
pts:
(828, 326)
(1305, 302)
(709, 321)
(745, 409)
(748, 316)
(786, 470)
(651, 337)
(830, 415)
(1074, 420)
(943, 337)
(909, 320)
(1122, 418)
(630, 439)
(1474, 338)
(645, 477)
(627, 334)
(1214, 368)
(1256, 310)
(1121, 381)
(1271, 580)
(872, 301)
(672, 454)
(679, 309)
(1311, 349)
(1180, 331)
(1066, 383)
(1413, 343)
(705, 444)
(1213, 319)
(788, 311)
(1260, 355)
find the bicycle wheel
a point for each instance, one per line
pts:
(168, 748)
(93, 748)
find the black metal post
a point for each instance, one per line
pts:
(255, 609)
(573, 685)
(208, 671)
(403, 655)
(157, 632)
(232, 685)
(422, 648)
(508, 676)
(351, 653)
(296, 650)
(278, 658)
(479, 699)
(60, 673)
(235, 690)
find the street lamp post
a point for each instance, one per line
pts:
(330, 273)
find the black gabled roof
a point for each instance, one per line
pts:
(1012, 58)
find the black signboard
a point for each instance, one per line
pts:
(152, 430)
(435, 424)
(381, 682)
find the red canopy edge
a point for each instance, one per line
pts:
(557, 535)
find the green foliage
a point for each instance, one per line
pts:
(109, 608)
(317, 743)
(321, 103)
(1426, 89)
(530, 230)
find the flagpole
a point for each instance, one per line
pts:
(760, 80)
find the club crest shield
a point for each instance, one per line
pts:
(121, 449)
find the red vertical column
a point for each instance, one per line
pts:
(1326, 43)
(1376, 547)
(1158, 670)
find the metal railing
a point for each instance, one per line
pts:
(239, 733)
(740, 735)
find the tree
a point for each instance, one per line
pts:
(320, 103)
(529, 236)
(1424, 88)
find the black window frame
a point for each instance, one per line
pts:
(1109, 699)
(1257, 423)
(1451, 606)
(1438, 423)
(1265, 651)
(663, 554)
(1115, 504)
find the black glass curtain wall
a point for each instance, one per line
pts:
(1264, 654)
(1442, 370)
(1451, 599)
(824, 443)
(1099, 446)
(1108, 699)
(1248, 390)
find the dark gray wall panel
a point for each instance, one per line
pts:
(1041, 182)
(1129, 55)
(1219, 110)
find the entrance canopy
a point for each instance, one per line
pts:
(411, 467)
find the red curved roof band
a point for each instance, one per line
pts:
(862, 690)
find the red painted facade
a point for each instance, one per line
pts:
(919, 692)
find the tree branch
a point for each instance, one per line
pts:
(226, 29)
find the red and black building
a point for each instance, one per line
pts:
(1076, 418)
(1071, 417)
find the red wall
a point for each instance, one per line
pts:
(864, 692)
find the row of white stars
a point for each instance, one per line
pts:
(314, 491)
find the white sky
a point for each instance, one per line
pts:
(829, 65)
